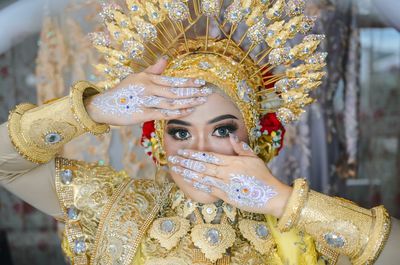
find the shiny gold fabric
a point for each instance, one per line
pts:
(115, 214)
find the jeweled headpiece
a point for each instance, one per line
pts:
(245, 47)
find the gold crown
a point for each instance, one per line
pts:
(241, 46)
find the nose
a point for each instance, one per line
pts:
(202, 144)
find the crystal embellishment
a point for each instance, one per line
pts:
(66, 176)
(334, 240)
(79, 246)
(213, 236)
(73, 213)
(167, 226)
(244, 90)
(52, 138)
(262, 231)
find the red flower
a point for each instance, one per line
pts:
(271, 123)
(147, 129)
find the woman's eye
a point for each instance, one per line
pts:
(179, 134)
(223, 131)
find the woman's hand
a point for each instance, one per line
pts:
(147, 96)
(243, 181)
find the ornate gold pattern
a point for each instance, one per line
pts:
(252, 231)
(88, 192)
(241, 62)
(202, 239)
(79, 92)
(346, 228)
(169, 230)
(115, 214)
(294, 205)
(377, 237)
(38, 133)
(209, 212)
(126, 219)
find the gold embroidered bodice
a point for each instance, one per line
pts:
(113, 219)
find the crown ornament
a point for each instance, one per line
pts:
(251, 49)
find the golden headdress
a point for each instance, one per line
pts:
(242, 46)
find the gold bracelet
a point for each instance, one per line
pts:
(19, 141)
(344, 227)
(294, 205)
(378, 237)
(39, 132)
(79, 92)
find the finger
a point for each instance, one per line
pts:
(167, 114)
(240, 147)
(157, 68)
(216, 186)
(197, 166)
(173, 104)
(163, 80)
(179, 92)
(188, 175)
(206, 157)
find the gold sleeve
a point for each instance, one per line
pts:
(38, 133)
(337, 224)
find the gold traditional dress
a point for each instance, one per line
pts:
(112, 219)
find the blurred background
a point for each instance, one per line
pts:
(347, 144)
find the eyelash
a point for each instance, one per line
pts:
(231, 127)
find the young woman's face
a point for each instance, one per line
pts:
(206, 129)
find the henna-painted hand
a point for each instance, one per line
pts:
(243, 181)
(147, 96)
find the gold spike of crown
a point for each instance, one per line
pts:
(241, 46)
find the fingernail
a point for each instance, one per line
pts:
(234, 137)
(190, 109)
(200, 82)
(206, 91)
(181, 152)
(202, 99)
(246, 147)
(176, 169)
(173, 159)
(165, 57)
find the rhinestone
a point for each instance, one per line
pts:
(334, 240)
(79, 246)
(134, 8)
(167, 226)
(209, 210)
(52, 138)
(72, 213)
(204, 65)
(270, 33)
(262, 231)
(66, 176)
(247, 11)
(213, 236)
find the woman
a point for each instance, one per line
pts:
(213, 200)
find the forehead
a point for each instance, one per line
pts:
(216, 105)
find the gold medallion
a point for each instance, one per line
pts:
(209, 212)
(213, 239)
(169, 230)
(188, 207)
(230, 211)
(258, 234)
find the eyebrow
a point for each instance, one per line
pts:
(179, 122)
(222, 117)
(216, 119)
